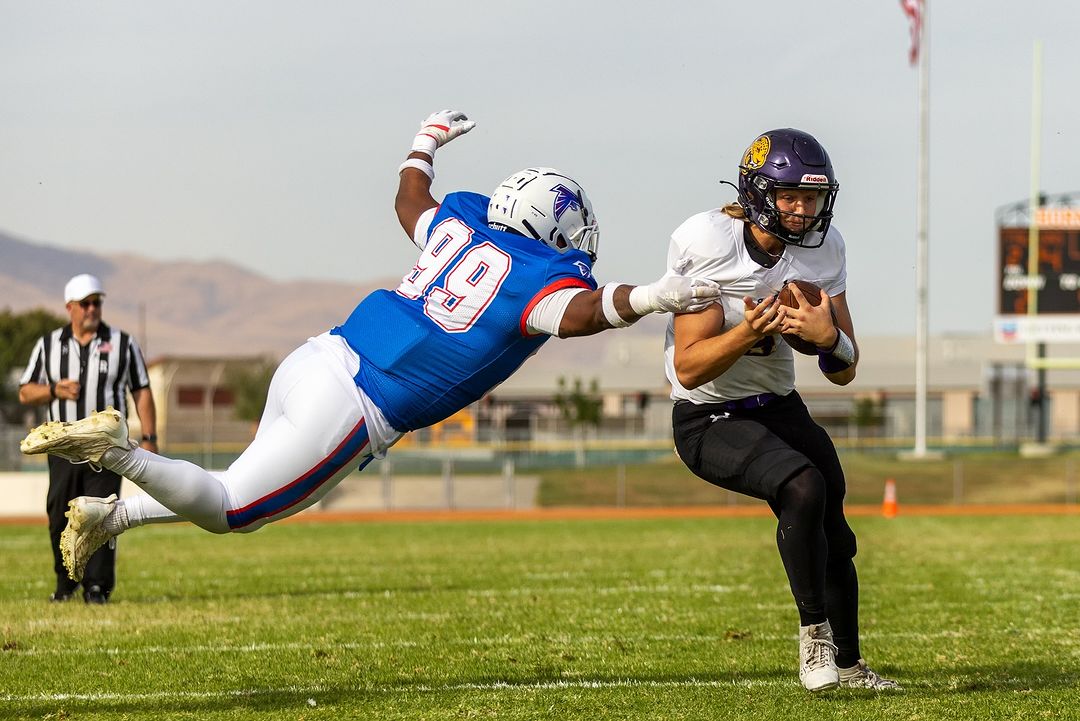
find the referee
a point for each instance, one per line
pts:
(77, 370)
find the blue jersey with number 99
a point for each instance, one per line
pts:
(455, 327)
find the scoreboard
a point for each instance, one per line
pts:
(1056, 282)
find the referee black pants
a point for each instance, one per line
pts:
(69, 480)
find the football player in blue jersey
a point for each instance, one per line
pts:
(496, 277)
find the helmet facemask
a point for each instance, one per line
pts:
(587, 237)
(812, 235)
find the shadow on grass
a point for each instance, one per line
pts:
(217, 594)
(1017, 676)
(935, 683)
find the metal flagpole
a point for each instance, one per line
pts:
(1036, 351)
(1035, 190)
(922, 236)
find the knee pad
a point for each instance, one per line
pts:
(804, 490)
(842, 543)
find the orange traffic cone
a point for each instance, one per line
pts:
(888, 506)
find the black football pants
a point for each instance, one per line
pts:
(779, 454)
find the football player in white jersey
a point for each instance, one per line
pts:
(738, 421)
(496, 277)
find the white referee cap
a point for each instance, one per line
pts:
(82, 286)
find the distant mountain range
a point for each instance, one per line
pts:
(214, 308)
(180, 307)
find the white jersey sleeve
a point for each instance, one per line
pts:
(546, 316)
(701, 246)
(834, 281)
(423, 225)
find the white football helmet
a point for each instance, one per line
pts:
(545, 204)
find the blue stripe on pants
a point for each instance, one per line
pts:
(296, 491)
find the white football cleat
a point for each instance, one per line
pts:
(81, 441)
(817, 658)
(85, 532)
(861, 676)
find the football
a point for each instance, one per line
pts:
(813, 296)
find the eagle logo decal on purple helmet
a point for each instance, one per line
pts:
(565, 199)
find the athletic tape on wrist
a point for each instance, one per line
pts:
(838, 358)
(607, 302)
(425, 143)
(422, 165)
(641, 300)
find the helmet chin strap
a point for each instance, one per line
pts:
(775, 233)
(777, 214)
(506, 229)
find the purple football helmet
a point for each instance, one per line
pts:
(787, 158)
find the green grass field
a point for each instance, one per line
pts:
(975, 478)
(978, 617)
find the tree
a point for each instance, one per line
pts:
(869, 412)
(578, 407)
(249, 385)
(18, 334)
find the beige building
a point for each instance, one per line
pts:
(978, 391)
(196, 407)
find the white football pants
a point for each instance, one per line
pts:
(317, 428)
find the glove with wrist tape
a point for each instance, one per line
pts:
(674, 294)
(439, 129)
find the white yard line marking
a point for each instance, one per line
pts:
(751, 637)
(314, 691)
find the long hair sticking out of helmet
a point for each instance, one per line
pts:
(787, 158)
(547, 205)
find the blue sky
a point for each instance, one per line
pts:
(268, 133)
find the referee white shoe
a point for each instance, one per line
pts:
(817, 658)
(86, 532)
(81, 441)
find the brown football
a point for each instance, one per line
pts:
(813, 296)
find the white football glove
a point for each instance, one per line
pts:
(674, 294)
(439, 129)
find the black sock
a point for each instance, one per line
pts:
(842, 602)
(801, 541)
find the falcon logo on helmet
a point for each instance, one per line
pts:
(792, 159)
(565, 199)
(523, 204)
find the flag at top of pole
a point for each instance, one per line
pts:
(913, 9)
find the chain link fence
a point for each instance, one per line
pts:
(640, 473)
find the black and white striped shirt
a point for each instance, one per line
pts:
(105, 367)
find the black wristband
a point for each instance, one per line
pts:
(52, 390)
(152, 438)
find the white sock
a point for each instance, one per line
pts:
(142, 509)
(117, 520)
(179, 490)
(124, 461)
